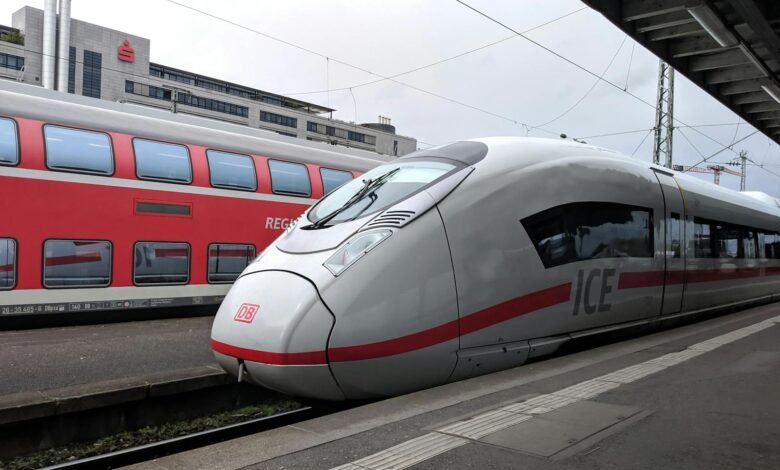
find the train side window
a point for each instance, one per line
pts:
(728, 240)
(676, 235)
(78, 150)
(771, 244)
(229, 170)
(332, 179)
(226, 261)
(553, 243)
(162, 161)
(161, 263)
(9, 142)
(7, 263)
(289, 178)
(76, 263)
(590, 230)
(702, 239)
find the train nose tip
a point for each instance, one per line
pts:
(276, 325)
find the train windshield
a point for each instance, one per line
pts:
(376, 190)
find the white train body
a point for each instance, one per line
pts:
(492, 252)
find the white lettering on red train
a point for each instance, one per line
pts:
(277, 223)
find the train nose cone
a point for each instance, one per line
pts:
(276, 325)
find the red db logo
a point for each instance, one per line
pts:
(246, 313)
(125, 52)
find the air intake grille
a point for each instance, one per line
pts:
(391, 219)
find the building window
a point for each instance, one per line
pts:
(591, 230)
(332, 179)
(76, 263)
(289, 178)
(7, 263)
(161, 263)
(212, 105)
(159, 93)
(229, 170)
(78, 150)
(72, 70)
(227, 261)
(271, 100)
(93, 62)
(9, 145)
(311, 126)
(11, 61)
(162, 161)
(274, 118)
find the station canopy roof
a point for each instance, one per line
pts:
(729, 48)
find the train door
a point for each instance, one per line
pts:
(674, 248)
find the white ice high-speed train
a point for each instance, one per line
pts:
(476, 256)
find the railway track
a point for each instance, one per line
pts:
(191, 441)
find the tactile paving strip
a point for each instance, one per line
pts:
(460, 433)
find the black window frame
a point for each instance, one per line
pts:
(558, 213)
(18, 143)
(71, 170)
(285, 193)
(208, 260)
(162, 180)
(189, 264)
(254, 172)
(87, 286)
(322, 180)
(15, 265)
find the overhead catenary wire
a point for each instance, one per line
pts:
(630, 61)
(705, 159)
(701, 154)
(584, 69)
(641, 142)
(361, 69)
(576, 103)
(441, 61)
(613, 134)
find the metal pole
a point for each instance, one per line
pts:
(63, 47)
(743, 177)
(48, 63)
(664, 116)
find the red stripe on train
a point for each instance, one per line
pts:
(439, 334)
(171, 252)
(469, 324)
(73, 259)
(267, 357)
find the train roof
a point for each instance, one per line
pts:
(34, 102)
(538, 150)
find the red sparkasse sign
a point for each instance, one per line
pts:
(126, 53)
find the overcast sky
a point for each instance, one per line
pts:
(514, 79)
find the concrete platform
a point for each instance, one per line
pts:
(700, 396)
(62, 370)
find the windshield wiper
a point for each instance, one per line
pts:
(369, 186)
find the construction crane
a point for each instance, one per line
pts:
(711, 169)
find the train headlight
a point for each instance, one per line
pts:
(354, 249)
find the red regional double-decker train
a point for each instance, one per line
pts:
(110, 207)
